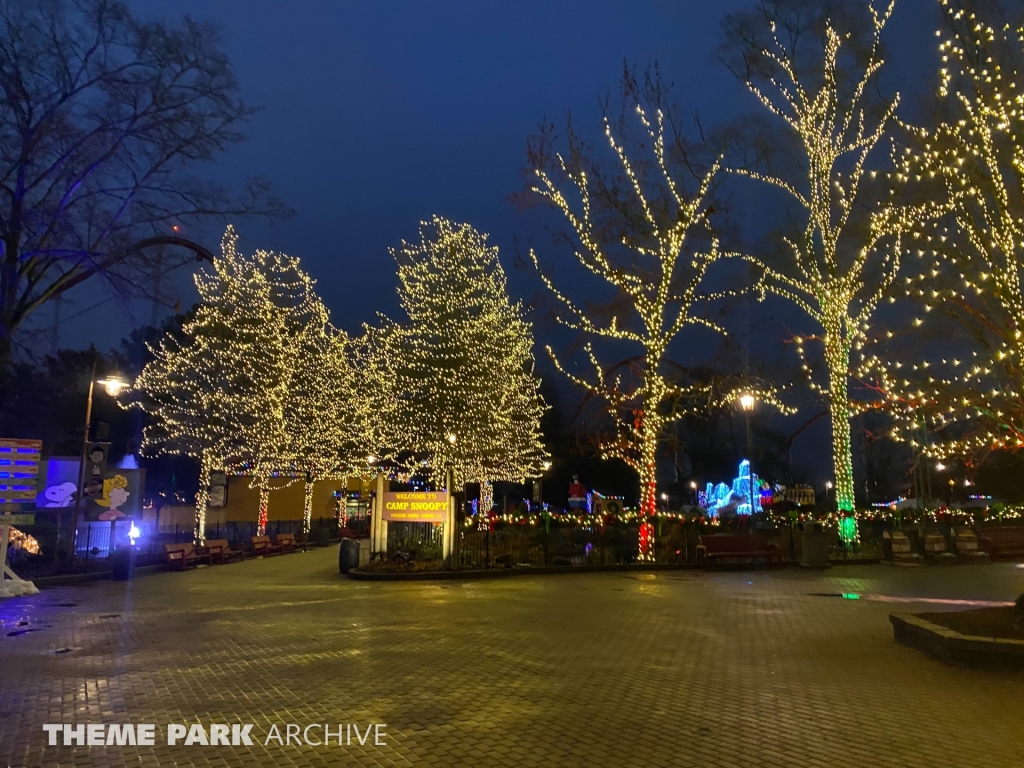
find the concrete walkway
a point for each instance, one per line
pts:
(603, 669)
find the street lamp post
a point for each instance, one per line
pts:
(747, 404)
(113, 385)
(538, 485)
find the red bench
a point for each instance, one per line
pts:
(1003, 541)
(183, 555)
(751, 546)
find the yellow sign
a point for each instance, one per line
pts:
(415, 507)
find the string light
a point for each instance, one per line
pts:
(324, 415)
(662, 283)
(216, 390)
(257, 383)
(454, 388)
(839, 271)
(974, 256)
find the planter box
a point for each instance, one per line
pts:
(956, 649)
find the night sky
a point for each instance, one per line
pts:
(377, 115)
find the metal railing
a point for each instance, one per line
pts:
(96, 540)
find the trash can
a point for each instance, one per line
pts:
(815, 545)
(122, 563)
(348, 555)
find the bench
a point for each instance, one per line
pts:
(221, 552)
(752, 546)
(183, 555)
(287, 542)
(261, 545)
(1005, 541)
(967, 545)
(902, 548)
(935, 547)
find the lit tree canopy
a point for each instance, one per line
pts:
(217, 392)
(324, 421)
(644, 233)
(456, 383)
(971, 395)
(846, 253)
(261, 384)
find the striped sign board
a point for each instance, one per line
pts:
(19, 470)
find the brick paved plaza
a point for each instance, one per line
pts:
(607, 669)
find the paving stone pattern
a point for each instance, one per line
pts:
(678, 668)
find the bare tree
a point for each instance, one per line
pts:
(103, 120)
(642, 234)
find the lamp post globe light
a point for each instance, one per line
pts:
(747, 402)
(538, 484)
(113, 385)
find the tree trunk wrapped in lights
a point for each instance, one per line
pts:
(648, 240)
(847, 254)
(216, 391)
(454, 387)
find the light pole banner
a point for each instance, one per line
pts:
(415, 506)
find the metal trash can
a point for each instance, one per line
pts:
(348, 555)
(814, 546)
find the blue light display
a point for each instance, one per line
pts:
(715, 498)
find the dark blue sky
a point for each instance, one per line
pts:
(376, 115)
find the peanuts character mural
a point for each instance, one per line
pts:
(60, 495)
(115, 494)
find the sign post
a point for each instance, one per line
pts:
(378, 528)
(449, 523)
(417, 507)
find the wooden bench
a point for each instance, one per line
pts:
(752, 546)
(183, 555)
(287, 542)
(1005, 541)
(221, 552)
(261, 545)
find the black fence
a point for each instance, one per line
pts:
(534, 544)
(95, 541)
(530, 544)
